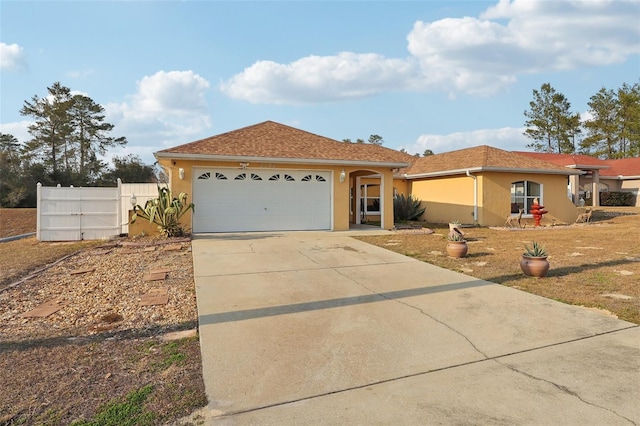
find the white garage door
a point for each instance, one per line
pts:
(229, 200)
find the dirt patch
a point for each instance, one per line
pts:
(17, 222)
(102, 345)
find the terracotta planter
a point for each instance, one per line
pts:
(457, 248)
(534, 266)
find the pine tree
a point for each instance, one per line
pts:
(51, 129)
(550, 122)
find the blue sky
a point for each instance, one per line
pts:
(439, 75)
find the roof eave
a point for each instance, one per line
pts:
(587, 167)
(493, 169)
(277, 160)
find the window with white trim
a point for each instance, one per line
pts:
(522, 195)
(370, 198)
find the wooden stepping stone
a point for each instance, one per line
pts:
(45, 309)
(82, 271)
(173, 247)
(157, 276)
(156, 296)
(152, 248)
(160, 270)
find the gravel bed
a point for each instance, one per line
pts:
(106, 299)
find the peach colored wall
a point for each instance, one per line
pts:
(142, 227)
(452, 198)
(496, 204)
(445, 198)
(340, 189)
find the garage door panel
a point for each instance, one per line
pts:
(263, 200)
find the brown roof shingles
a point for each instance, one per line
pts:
(586, 162)
(277, 141)
(480, 158)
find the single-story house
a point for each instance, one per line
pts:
(273, 177)
(485, 185)
(598, 176)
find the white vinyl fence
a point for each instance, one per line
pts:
(73, 214)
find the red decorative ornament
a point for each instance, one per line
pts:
(537, 211)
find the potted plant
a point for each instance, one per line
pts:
(534, 261)
(456, 244)
(455, 226)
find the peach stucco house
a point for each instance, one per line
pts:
(272, 177)
(484, 185)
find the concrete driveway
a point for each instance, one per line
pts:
(317, 328)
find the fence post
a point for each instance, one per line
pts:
(38, 209)
(119, 205)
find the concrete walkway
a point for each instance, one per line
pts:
(318, 328)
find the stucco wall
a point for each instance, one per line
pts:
(446, 198)
(340, 189)
(632, 186)
(496, 198)
(452, 198)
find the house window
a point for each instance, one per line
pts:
(275, 177)
(370, 199)
(289, 178)
(220, 176)
(206, 175)
(241, 176)
(522, 195)
(255, 177)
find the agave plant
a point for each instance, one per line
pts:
(165, 211)
(536, 250)
(455, 236)
(406, 208)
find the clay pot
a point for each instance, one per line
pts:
(457, 248)
(534, 266)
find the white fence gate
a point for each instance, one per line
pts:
(73, 214)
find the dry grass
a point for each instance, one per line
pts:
(17, 222)
(595, 265)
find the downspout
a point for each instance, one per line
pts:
(475, 196)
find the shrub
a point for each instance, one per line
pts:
(165, 211)
(615, 198)
(407, 208)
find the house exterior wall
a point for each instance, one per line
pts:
(340, 200)
(452, 198)
(496, 198)
(632, 185)
(445, 198)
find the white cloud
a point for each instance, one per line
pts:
(320, 79)
(12, 57)
(473, 55)
(169, 108)
(19, 129)
(507, 138)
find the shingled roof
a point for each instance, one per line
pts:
(574, 161)
(275, 142)
(623, 167)
(478, 159)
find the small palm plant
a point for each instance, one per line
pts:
(165, 211)
(536, 250)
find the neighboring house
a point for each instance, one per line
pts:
(272, 177)
(599, 175)
(484, 185)
(623, 175)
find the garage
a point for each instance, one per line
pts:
(239, 200)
